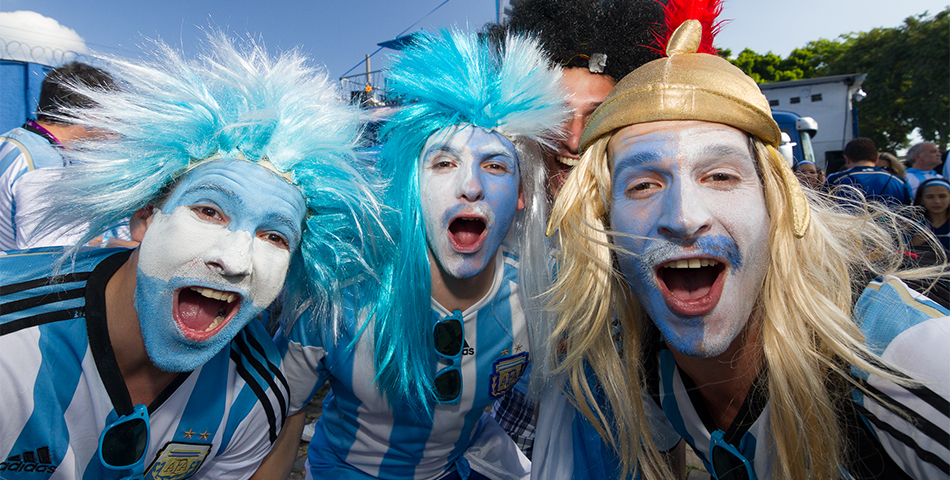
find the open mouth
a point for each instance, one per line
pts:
(691, 286)
(467, 234)
(201, 312)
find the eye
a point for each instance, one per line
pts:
(441, 163)
(208, 213)
(496, 167)
(642, 189)
(275, 238)
(721, 180)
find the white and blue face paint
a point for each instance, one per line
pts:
(213, 258)
(689, 208)
(469, 187)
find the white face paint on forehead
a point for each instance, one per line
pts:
(213, 258)
(689, 208)
(469, 187)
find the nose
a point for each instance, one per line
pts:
(574, 128)
(684, 215)
(470, 187)
(232, 256)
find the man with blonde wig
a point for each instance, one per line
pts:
(703, 296)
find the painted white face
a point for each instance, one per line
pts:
(469, 188)
(213, 258)
(689, 208)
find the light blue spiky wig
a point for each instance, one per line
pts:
(448, 79)
(231, 101)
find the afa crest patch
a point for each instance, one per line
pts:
(178, 461)
(506, 372)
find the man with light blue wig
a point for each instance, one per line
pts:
(237, 169)
(411, 375)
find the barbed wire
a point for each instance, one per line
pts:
(54, 57)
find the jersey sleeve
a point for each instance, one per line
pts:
(12, 165)
(303, 353)
(912, 334)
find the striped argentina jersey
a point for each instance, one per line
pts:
(908, 330)
(57, 369)
(359, 436)
(21, 151)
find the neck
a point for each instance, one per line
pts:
(939, 218)
(863, 163)
(459, 293)
(63, 133)
(143, 379)
(723, 381)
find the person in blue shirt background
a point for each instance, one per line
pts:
(862, 173)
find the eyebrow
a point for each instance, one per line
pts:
(486, 153)
(725, 151)
(289, 224)
(629, 161)
(212, 186)
(442, 148)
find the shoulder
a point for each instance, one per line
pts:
(911, 333)
(256, 360)
(30, 267)
(888, 308)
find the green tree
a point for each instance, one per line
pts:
(908, 82)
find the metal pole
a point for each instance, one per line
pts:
(368, 82)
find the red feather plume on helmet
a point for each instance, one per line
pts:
(678, 11)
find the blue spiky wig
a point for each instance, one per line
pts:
(444, 80)
(231, 101)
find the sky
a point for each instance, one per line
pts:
(339, 33)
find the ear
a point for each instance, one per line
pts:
(520, 198)
(140, 221)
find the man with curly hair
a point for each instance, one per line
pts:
(596, 42)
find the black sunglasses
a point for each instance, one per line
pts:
(449, 337)
(123, 442)
(727, 462)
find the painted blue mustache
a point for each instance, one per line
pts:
(659, 251)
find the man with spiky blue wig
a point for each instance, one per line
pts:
(236, 168)
(409, 386)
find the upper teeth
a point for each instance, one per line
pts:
(691, 263)
(568, 160)
(215, 294)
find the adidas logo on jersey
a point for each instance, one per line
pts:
(37, 461)
(466, 350)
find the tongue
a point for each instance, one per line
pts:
(691, 284)
(195, 311)
(467, 232)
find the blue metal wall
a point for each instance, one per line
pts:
(19, 91)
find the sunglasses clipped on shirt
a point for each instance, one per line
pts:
(727, 462)
(449, 337)
(123, 443)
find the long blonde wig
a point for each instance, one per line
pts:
(808, 338)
